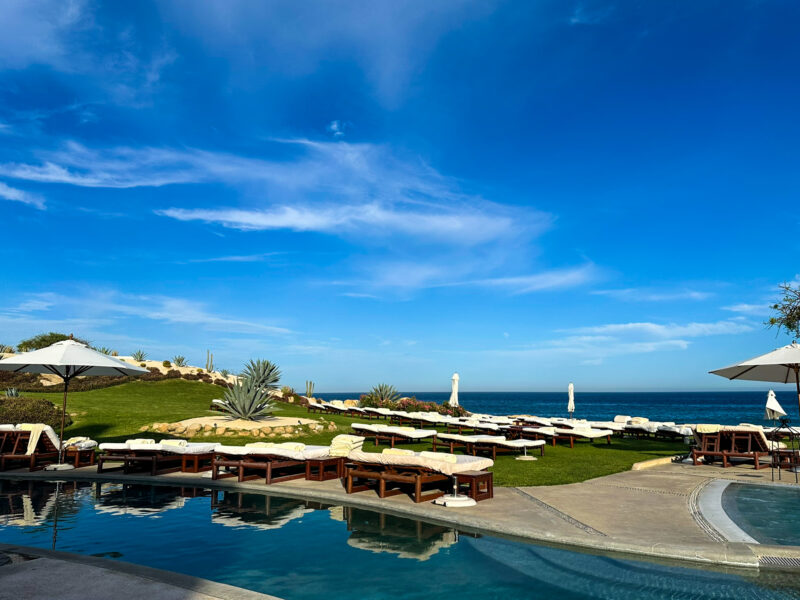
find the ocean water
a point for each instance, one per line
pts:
(727, 408)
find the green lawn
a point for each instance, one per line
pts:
(117, 413)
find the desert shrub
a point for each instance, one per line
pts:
(411, 405)
(221, 382)
(45, 339)
(143, 365)
(31, 410)
(6, 349)
(287, 391)
(298, 399)
(179, 361)
(173, 374)
(224, 372)
(199, 371)
(384, 393)
(262, 373)
(166, 364)
(190, 376)
(247, 400)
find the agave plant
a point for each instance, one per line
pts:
(224, 372)
(139, 356)
(263, 374)
(384, 393)
(6, 349)
(104, 350)
(179, 361)
(247, 400)
(12, 393)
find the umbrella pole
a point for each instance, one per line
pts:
(797, 382)
(63, 419)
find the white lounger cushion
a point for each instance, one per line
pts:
(463, 462)
(112, 446)
(307, 452)
(586, 433)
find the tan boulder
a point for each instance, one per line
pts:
(162, 428)
(144, 428)
(221, 430)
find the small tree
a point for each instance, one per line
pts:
(788, 311)
(43, 340)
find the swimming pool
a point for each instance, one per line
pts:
(301, 550)
(767, 513)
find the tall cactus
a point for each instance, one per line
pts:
(309, 389)
(209, 361)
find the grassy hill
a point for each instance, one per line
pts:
(117, 413)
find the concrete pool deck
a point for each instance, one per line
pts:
(36, 574)
(653, 512)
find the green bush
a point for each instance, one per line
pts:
(179, 361)
(166, 364)
(31, 410)
(45, 339)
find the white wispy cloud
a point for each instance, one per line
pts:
(336, 128)
(749, 309)
(594, 344)
(246, 258)
(651, 295)
(17, 195)
(330, 187)
(108, 306)
(669, 330)
(546, 280)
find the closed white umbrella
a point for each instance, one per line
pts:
(454, 393)
(779, 366)
(773, 410)
(68, 359)
(571, 399)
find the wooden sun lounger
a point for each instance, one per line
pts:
(391, 479)
(46, 453)
(731, 443)
(255, 466)
(156, 462)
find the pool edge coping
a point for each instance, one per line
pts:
(221, 591)
(713, 553)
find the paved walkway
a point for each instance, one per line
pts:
(652, 512)
(35, 574)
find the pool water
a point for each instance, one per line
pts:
(768, 513)
(301, 550)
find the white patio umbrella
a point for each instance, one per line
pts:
(571, 399)
(774, 410)
(454, 394)
(779, 366)
(68, 359)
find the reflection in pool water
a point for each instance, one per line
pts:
(767, 513)
(303, 550)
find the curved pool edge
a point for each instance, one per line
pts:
(737, 555)
(709, 506)
(121, 573)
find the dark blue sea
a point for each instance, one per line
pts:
(727, 408)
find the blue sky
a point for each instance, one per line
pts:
(529, 193)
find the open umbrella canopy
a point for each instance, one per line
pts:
(68, 359)
(779, 366)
